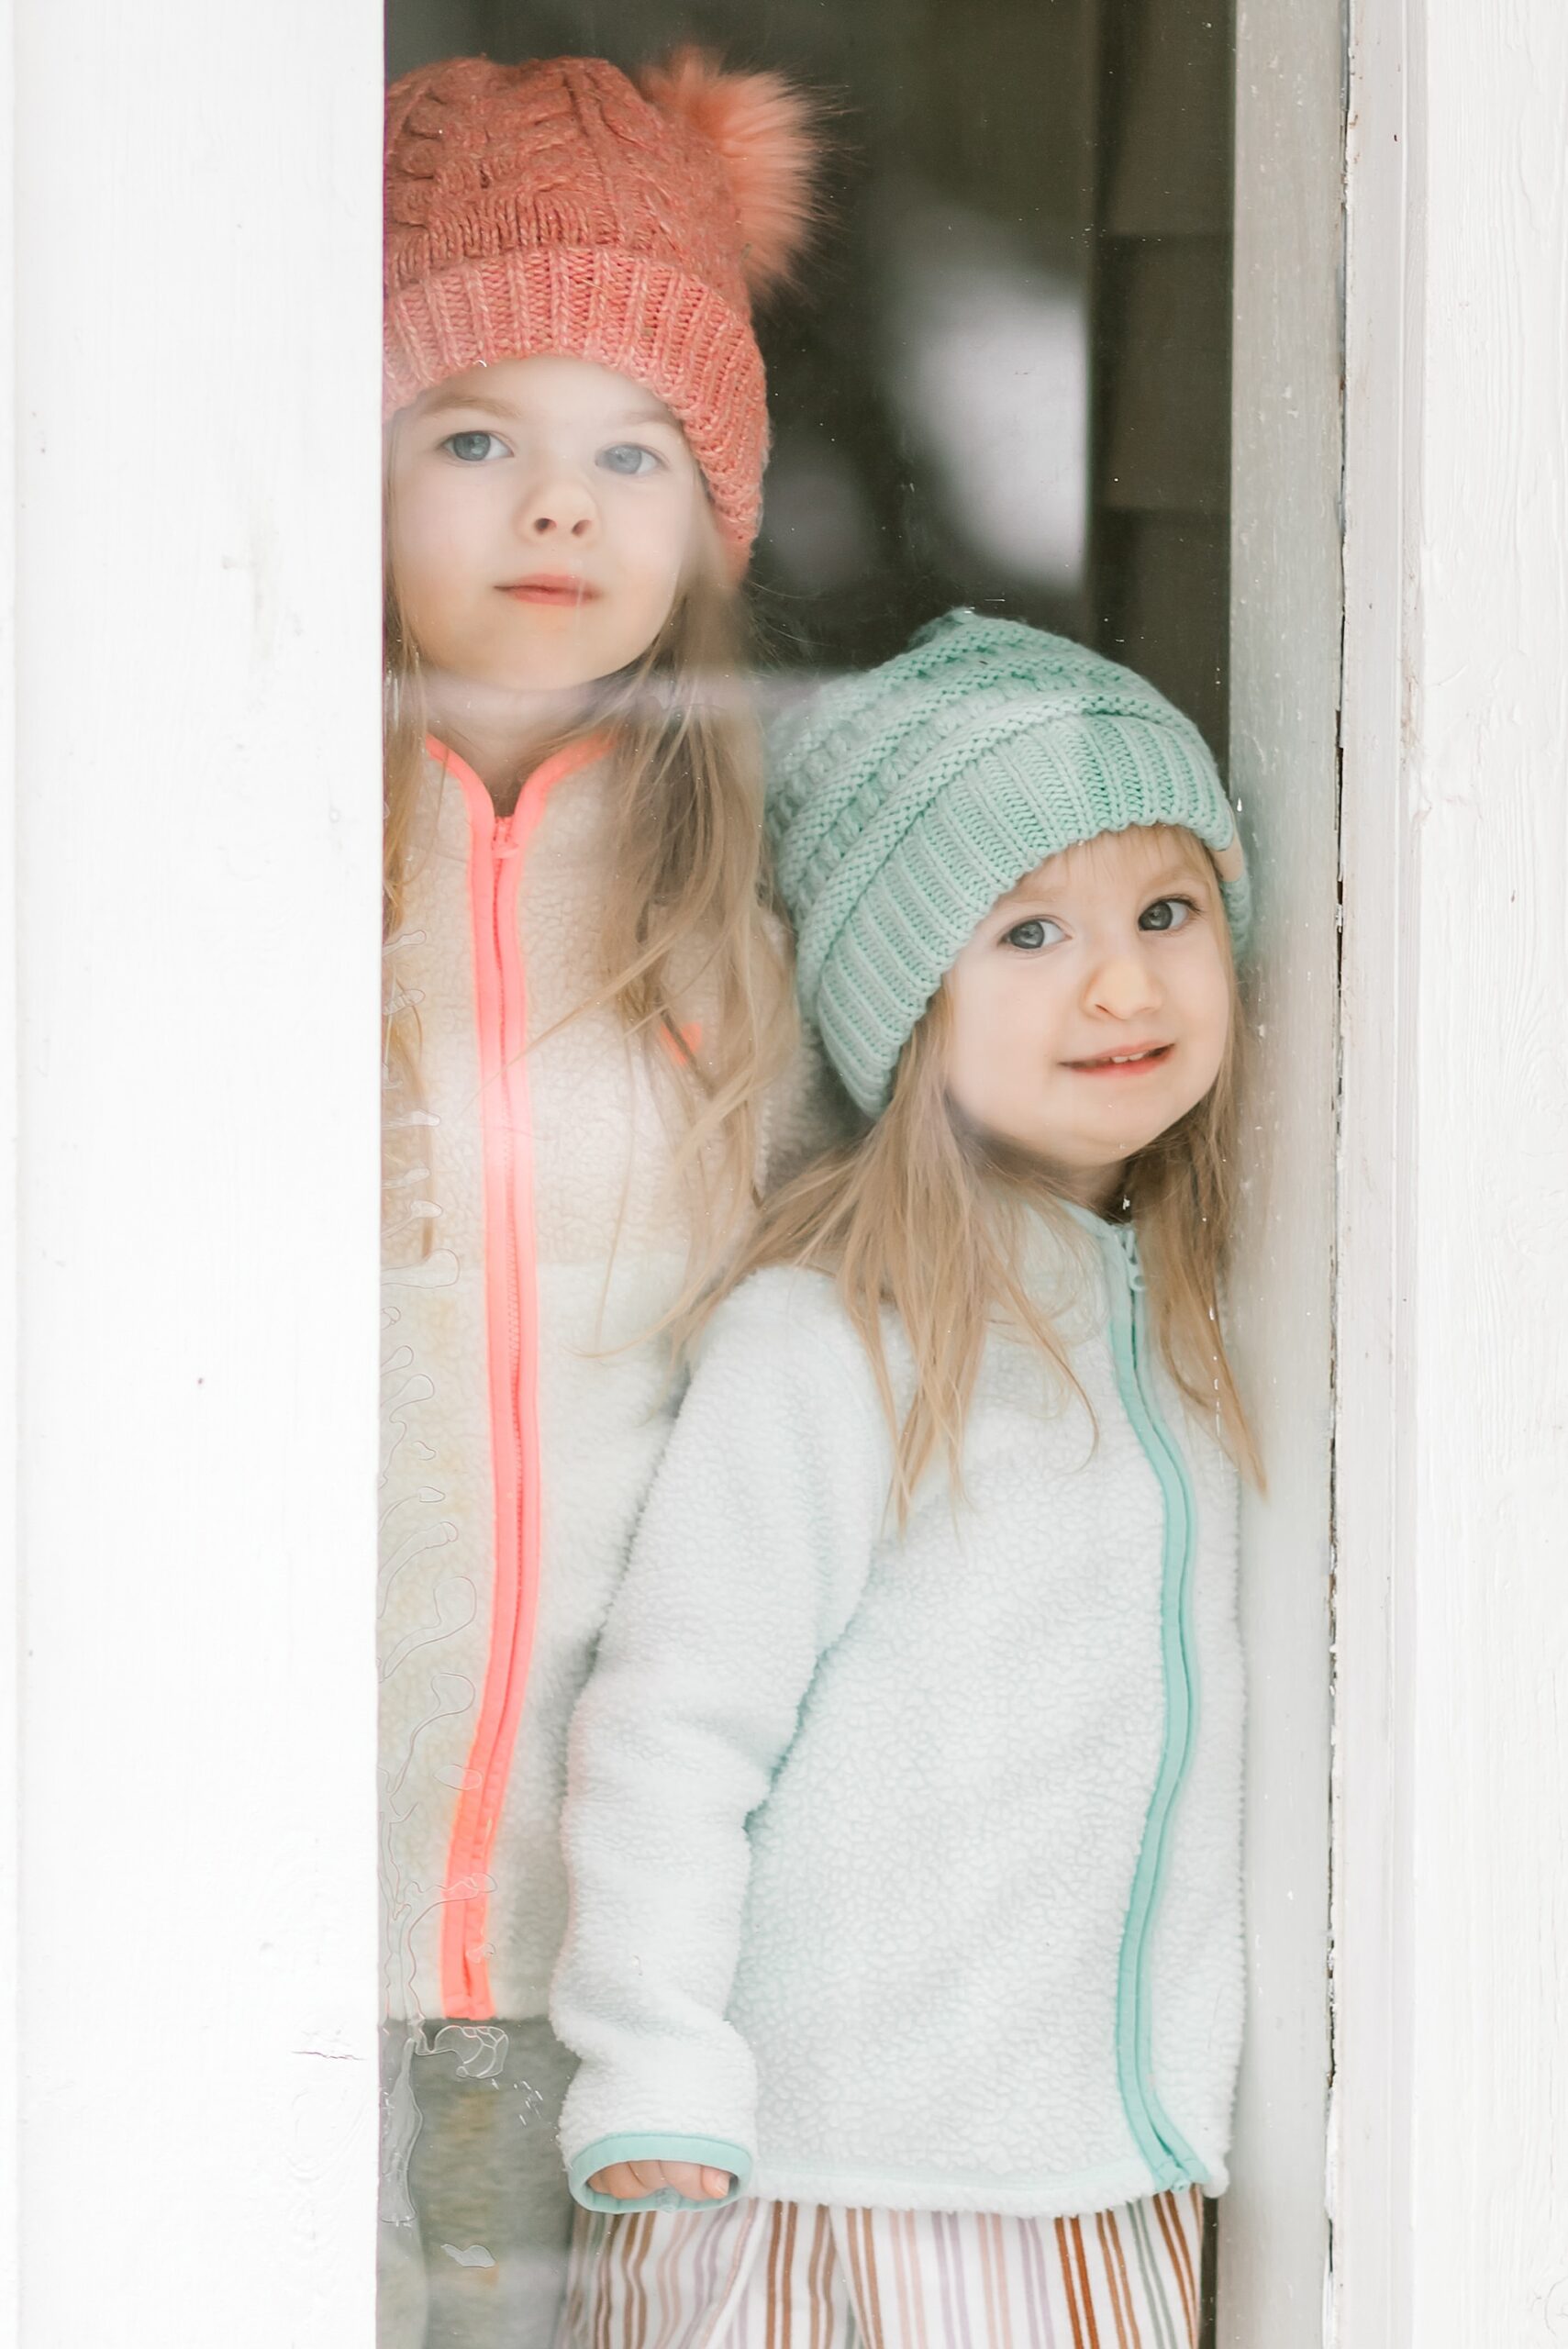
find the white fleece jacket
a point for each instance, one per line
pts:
(534, 1232)
(905, 1870)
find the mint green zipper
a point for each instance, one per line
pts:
(1170, 2159)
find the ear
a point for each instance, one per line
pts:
(764, 130)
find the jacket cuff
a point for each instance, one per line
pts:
(709, 2152)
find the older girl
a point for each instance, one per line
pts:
(904, 1804)
(588, 1004)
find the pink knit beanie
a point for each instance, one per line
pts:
(559, 207)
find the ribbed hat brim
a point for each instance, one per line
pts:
(639, 318)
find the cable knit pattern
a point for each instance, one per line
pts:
(905, 802)
(853, 1818)
(553, 207)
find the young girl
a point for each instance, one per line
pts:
(588, 1002)
(904, 1808)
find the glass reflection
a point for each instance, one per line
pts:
(1002, 384)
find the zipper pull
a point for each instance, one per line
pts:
(1127, 1240)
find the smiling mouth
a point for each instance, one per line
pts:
(552, 587)
(1145, 1056)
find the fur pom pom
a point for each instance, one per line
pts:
(762, 127)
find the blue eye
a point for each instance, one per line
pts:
(1167, 913)
(475, 448)
(1028, 937)
(630, 461)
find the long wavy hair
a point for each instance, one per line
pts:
(686, 910)
(928, 1216)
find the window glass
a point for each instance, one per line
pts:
(999, 381)
(1006, 378)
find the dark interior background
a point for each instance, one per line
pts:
(1005, 381)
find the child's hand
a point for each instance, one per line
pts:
(630, 2181)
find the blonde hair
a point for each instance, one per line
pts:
(926, 1215)
(687, 904)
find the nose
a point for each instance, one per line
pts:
(1123, 987)
(557, 508)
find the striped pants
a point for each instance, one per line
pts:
(797, 2275)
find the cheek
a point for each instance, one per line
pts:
(430, 566)
(627, 623)
(653, 546)
(1208, 1013)
(653, 537)
(1003, 1022)
(1220, 1008)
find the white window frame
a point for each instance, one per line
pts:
(1451, 2225)
(1285, 601)
(10, 1679)
(197, 817)
(188, 2068)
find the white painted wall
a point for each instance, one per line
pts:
(1284, 648)
(1450, 2215)
(197, 671)
(9, 2133)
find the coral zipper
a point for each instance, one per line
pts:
(497, 851)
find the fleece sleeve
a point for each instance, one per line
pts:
(751, 1558)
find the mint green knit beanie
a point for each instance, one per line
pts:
(904, 801)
